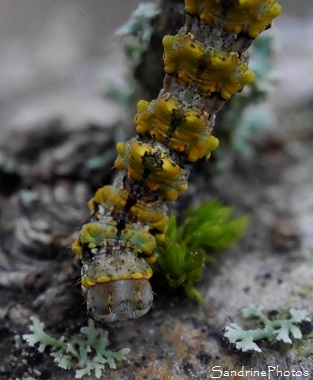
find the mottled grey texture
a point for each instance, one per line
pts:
(272, 267)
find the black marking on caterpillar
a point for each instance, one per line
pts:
(205, 64)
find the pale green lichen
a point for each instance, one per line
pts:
(210, 226)
(86, 353)
(279, 329)
(135, 35)
(247, 115)
(139, 25)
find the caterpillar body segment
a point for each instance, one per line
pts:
(205, 64)
(111, 201)
(104, 267)
(249, 17)
(153, 163)
(116, 286)
(210, 70)
(109, 197)
(182, 128)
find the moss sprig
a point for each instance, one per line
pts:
(207, 228)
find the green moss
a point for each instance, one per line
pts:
(208, 228)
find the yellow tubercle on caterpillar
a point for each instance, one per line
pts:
(86, 282)
(213, 71)
(252, 16)
(152, 164)
(120, 146)
(151, 259)
(236, 16)
(108, 196)
(213, 143)
(140, 241)
(155, 219)
(160, 237)
(163, 107)
(93, 234)
(183, 128)
(77, 248)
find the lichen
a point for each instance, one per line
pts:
(86, 353)
(279, 329)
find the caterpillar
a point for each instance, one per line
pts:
(205, 64)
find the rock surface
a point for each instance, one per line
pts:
(271, 267)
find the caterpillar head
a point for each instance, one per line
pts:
(117, 287)
(118, 302)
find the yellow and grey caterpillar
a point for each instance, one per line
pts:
(205, 64)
